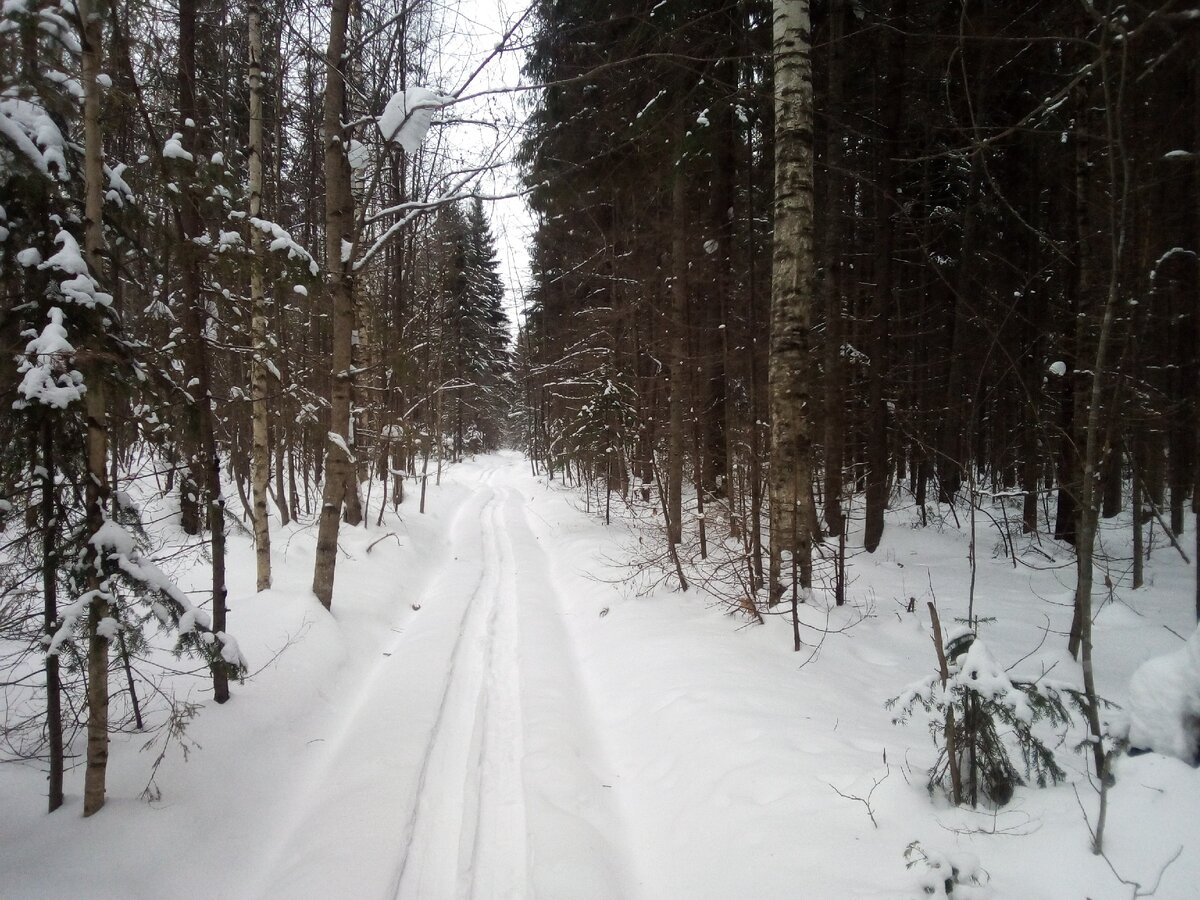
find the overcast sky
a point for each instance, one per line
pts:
(471, 30)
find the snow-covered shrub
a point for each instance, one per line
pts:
(983, 722)
(138, 595)
(1164, 703)
(955, 875)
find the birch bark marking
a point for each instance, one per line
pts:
(260, 463)
(95, 772)
(791, 297)
(339, 216)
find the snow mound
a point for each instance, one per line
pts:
(1164, 703)
(407, 116)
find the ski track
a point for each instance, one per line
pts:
(377, 708)
(462, 835)
(489, 779)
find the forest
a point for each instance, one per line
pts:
(516, 400)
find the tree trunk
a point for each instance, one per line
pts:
(831, 284)
(50, 531)
(1096, 409)
(678, 339)
(260, 462)
(1195, 324)
(877, 414)
(791, 297)
(339, 217)
(204, 463)
(96, 490)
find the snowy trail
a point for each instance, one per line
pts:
(467, 765)
(578, 829)
(362, 785)
(469, 794)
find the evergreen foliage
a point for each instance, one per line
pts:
(981, 720)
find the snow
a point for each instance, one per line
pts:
(173, 148)
(112, 538)
(230, 651)
(282, 241)
(69, 84)
(340, 442)
(489, 711)
(118, 190)
(69, 617)
(1058, 368)
(34, 134)
(407, 116)
(108, 627)
(358, 155)
(1164, 703)
(69, 259)
(46, 378)
(81, 288)
(229, 239)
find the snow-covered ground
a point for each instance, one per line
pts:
(491, 712)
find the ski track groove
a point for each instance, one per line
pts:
(428, 812)
(469, 824)
(357, 709)
(499, 859)
(469, 810)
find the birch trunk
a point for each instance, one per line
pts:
(339, 217)
(791, 297)
(259, 461)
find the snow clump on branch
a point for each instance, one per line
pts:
(408, 115)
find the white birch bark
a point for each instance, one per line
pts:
(260, 461)
(791, 297)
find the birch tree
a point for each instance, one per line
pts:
(791, 302)
(259, 453)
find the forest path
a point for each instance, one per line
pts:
(467, 764)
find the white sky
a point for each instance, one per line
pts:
(470, 31)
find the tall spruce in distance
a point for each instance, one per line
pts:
(648, 167)
(491, 324)
(475, 329)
